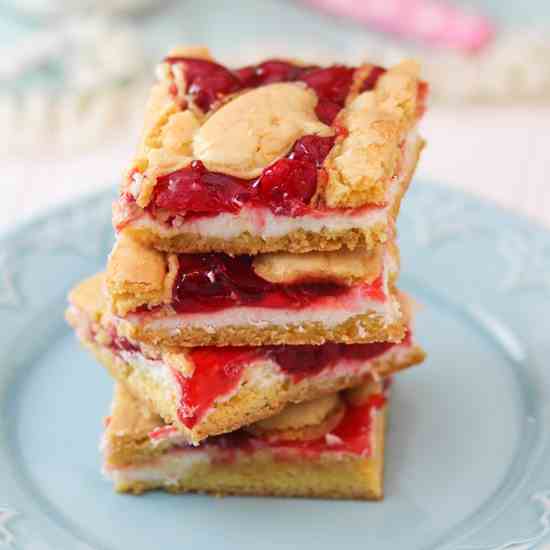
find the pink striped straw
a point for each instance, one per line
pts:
(428, 21)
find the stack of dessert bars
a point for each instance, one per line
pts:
(249, 311)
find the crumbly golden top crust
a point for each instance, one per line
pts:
(137, 275)
(361, 165)
(247, 131)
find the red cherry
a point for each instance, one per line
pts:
(312, 149)
(195, 189)
(268, 72)
(370, 82)
(206, 81)
(330, 84)
(288, 185)
(327, 111)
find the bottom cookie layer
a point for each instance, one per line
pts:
(346, 463)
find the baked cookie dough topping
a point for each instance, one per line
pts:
(247, 134)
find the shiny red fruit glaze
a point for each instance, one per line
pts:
(217, 372)
(327, 111)
(332, 86)
(211, 282)
(195, 189)
(355, 430)
(269, 72)
(331, 83)
(312, 149)
(370, 82)
(286, 187)
(207, 81)
(302, 361)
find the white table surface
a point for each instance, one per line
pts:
(501, 153)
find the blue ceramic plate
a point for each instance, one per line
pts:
(468, 463)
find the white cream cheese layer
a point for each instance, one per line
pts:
(263, 223)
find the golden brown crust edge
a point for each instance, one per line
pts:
(297, 242)
(359, 329)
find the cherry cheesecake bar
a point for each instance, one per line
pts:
(205, 391)
(268, 299)
(276, 156)
(332, 447)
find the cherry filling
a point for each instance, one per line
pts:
(207, 82)
(332, 87)
(194, 189)
(287, 186)
(212, 282)
(218, 371)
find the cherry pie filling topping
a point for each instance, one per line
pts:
(287, 186)
(216, 281)
(218, 371)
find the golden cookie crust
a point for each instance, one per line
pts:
(358, 329)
